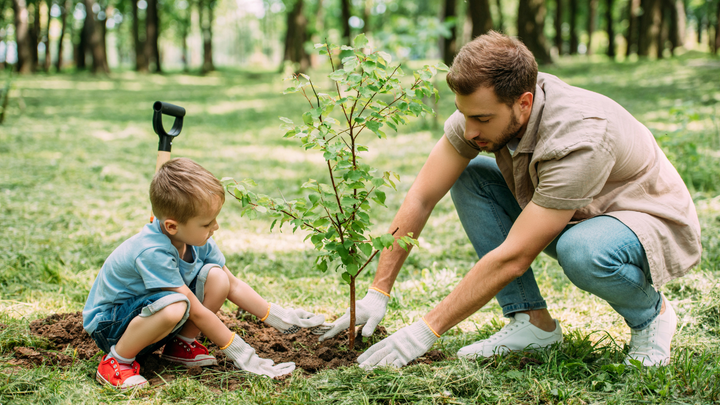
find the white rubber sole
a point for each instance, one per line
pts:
(201, 360)
(99, 378)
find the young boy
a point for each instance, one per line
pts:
(164, 285)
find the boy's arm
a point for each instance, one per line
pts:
(208, 323)
(242, 295)
(285, 320)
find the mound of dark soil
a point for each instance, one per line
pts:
(70, 342)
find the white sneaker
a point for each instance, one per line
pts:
(519, 334)
(651, 346)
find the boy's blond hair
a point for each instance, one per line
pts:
(181, 189)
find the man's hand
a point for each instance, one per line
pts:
(402, 347)
(369, 311)
(245, 358)
(291, 320)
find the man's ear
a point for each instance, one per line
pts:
(170, 226)
(525, 102)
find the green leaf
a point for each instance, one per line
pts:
(369, 66)
(320, 222)
(317, 46)
(347, 48)
(352, 268)
(314, 198)
(360, 41)
(346, 277)
(380, 196)
(287, 120)
(337, 75)
(373, 126)
(386, 56)
(307, 118)
(366, 248)
(322, 266)
(362, 148)
(387, 240)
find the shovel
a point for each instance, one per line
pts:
(166, 138)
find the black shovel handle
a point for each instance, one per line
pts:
(160, 108)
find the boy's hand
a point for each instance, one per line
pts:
(245, 358)
(291, 320)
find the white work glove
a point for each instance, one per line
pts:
(291, 320)
(400, 348)
(244, 358)
(369, 311)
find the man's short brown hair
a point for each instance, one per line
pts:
(497, 61)
(181, 189)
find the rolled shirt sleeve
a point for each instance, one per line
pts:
(572, 179)
(158, 269)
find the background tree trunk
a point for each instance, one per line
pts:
(591, 24)
(141, 64)
(479, 12)
(367, 12)
(345, 15)
(531, 24)
(84, 42)
(95, 39)
(63, 18)
(631, 36)
(558, 26)
(206, 29)
(650, 25)
(717, 29)
(46, 38)
(448, 46)
(35, 34)
(152, 30)
(295, 37)
(22, 37)
(500, 26)
(678, 21)
(610, 29)
(574, 41)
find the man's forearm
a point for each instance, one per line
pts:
(411, 218)
(489, 275)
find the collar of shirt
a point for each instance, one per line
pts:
(529, 138)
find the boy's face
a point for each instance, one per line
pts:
(197, 230)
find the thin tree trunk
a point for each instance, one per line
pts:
(141, 64)
(592, 17)
(531, 26)
(34, 30)
(650, 25)
(151, 35)
(206, 28)
(479, 11)
(678, 21)
(574, 41)
(95, 40)
(631, 36)
(63, 16)
(295, 37)
(351, 329)
(664, 30)
(346, 14)
(22, 37)
(448, 46)
(366, 16)
(501, 21)
(717, 30)
(558, 26)
(610, 29)
(84, 42)
(46, 38)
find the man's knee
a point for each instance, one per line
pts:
(578, 259)
(480, 170)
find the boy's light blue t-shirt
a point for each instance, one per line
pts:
(143, 264)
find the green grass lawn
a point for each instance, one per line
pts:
(77, 153)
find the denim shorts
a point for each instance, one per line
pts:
(115, 320)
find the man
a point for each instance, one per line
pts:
(574, 175)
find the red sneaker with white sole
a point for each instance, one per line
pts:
(118, 375)
(192, 354)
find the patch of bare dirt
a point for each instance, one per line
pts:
(70, 342)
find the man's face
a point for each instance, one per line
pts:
(197, 230)
(490, 123)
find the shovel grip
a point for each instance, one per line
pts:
(160, 108)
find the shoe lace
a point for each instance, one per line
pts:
(640, 341)
(512, 325)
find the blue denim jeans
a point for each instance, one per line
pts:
(116, 320)
(600, 255)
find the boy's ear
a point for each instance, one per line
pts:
(171, 226)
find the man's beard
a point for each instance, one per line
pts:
(511, 131)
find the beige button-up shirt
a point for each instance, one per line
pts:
(583, 151)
